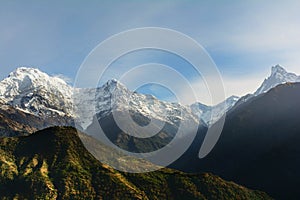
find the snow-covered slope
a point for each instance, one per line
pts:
(114, 96)
(278, 76)
(35, 92)
(219, 110)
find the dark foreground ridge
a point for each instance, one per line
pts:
(259, 144)
(54, 164)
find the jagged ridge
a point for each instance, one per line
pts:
(278, 76)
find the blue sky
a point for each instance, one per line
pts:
(244, 38)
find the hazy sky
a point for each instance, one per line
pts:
(244, 38)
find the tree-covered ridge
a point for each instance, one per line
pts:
(54, 164)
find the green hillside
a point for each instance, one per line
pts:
(53, 164)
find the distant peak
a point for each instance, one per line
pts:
(113, 84)
(232, 97)
(27, 71)
(22, 70)
(33, 74)
(278, 76)
(278, 69)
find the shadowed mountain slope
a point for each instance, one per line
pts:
(259, 145)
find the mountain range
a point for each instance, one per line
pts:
(49, 97)
(259, 132)
(34, 92)
(47, 101)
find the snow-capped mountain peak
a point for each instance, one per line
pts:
(29, 78)
(211, 114)
(278, 76)
(278, 69)
(35, 92)
(114, 86)
(232, 99)
(114, 96)
(34, 75)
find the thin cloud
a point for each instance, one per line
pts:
(247, 34)
(65, 78)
